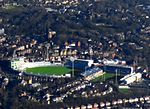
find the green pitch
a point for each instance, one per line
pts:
(124, 90)
(48, 70)
(106, 76)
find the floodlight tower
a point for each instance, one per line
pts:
(91, 52)
(47, 53)
(72, 59)
(14, 54)
(105, 72)
(116, 75)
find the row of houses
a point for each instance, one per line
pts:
(109, 104)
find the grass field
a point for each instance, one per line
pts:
(12, 8)
(48, 70)
(124, 90)
(104, 77)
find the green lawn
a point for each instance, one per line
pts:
(104, 77)
(124, 90)
(11, 8)
(49, 70)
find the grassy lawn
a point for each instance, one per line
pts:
(104, 77)
(124, 90)
(11, 8)
(49, 70)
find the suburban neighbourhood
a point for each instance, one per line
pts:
(74, 54)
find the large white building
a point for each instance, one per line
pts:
(130, 78)
(20, 64)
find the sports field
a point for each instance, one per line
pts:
(104, 77)
(49, 70)
(124, 90)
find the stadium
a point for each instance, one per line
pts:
(83, 68)
(46, 68)
(42, 68)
